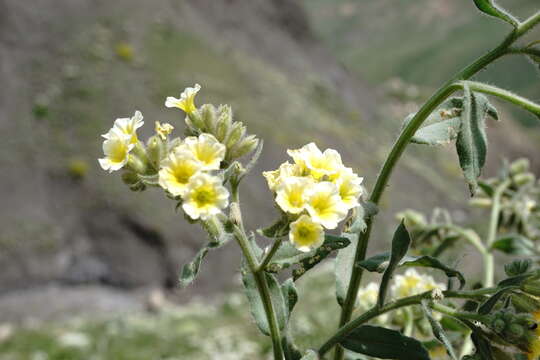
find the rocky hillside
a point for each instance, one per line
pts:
(69, 68)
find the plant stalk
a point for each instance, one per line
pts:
(399, 147)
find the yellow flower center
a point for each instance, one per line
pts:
(205, 196)
(118, 152)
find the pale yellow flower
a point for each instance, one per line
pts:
(350, 188)
(319, 164)
(291, 194)
(206, 149)
(186, 102)
(412, 283)
(205, 196)
(116, 148)
(163, 130)
(176, 171)
(305, 234)
(275, 177)
(129, 126)
(325, 205)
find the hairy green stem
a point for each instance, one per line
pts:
(408, 301)
(260, 278)
(268, 257)
(489, 261)
(399, 147)
(503, 94)
(446, 310)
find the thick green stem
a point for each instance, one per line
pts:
(374, 312)
(489, 261)
(260, 278)
(401, 143)
(504, 94)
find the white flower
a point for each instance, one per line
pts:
(367, 298)
(206, 149)
(163, 130)
(324, 204)
(176, 172)
(275, 177)
(186, 102)
(205, 196)
(350, 188)
(319, 164)
(305, 234)
(291, 194)
(412, 283)
(128, 126)
(116, 148)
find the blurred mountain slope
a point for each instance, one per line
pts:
(69, 68)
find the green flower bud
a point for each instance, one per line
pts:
(224, 122)
(209, 117)
(519, 166)
(238, 130)
(531, 287)
(155, 150)
(525, 303)
(524, 178)
(130, 178)
(247, 145)
(136, 165)
(498, 325)
(517, 267)
(195, 120)
(173, 143)
(516, 330)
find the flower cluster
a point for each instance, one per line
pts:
(190, 170)
(315, 193)
(412, 283)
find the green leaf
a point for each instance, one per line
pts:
(343, 268)
(290, 295)
(488, 305)
(287, 255)
(256, 303)
(471, 144)
(490, 7)
(278, 229)
(400, 246)
(438, 331)
(190, 270)
(310, 355)
(379, 262)
(440, 133)
(331, 243)
(384, 344)
(514, 244)
(483, 348)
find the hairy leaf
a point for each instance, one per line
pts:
(190, 270)
(290, 295)
(440, 133)
(343, 268)
(514, 244)
(438, 331)
(400, 245)
(331, 243)
(379, 262)
(490, 7)
(384, 344)
(257, 305)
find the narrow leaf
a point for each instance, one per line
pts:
(384, 344)
(331, 243)
(379, 263)
(400, 246)
(343, 268)
(488, 305)
(438, 331)
(251, 287)
(190, 270)
(471, 144)
(490, 7)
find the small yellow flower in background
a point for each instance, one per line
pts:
(163, 130)
(186, 102)
(319, 164)
(350, 189)
(176, 172)
(206, 149)
(286, 170)
(205, 196)
(305, 234)
(116, 148)
(367, 298)
(129, 126)
(412, 283)
(291, 194)
(324, 204)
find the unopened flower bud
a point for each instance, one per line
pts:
(136, 165)
(524, 178)
(498, 325)
(238, 130)
(247, 145)
(531, 287)
(155, 150)
(130, 178)
(516, 330)
(195, 120)
(519, 166)
(224, 122)
(209, 117)
(480, 202)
